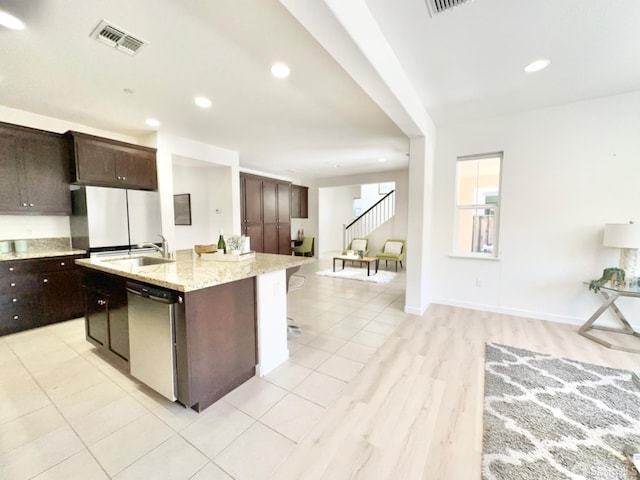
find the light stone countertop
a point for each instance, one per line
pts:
(5, 257)
(189, 272)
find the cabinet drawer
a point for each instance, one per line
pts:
(10, 302)
(18, 319)
(13, 267)
(58, 263)
(14, 284)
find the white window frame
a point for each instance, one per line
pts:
(494, 255)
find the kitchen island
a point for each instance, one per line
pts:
(230, 317)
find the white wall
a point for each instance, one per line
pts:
(335, 210)
(567, 171)
(172, 148)
(210, 190)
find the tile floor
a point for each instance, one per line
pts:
(67, 414)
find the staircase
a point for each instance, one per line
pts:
(373, 218)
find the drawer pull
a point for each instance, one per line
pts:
(11, 269)
(24, 204)
(102, 302)
(13, 284)
(31, 204)
(14, 300)
(16, 317)
(62, 264)
(46, 280)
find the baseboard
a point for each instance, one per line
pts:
(512, 311)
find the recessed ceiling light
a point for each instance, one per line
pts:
(537, 65)
(382, 160)
(152, 122)
(203, 102)
(9, 21)
(280, 70)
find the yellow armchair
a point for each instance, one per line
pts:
(305, 248)
(358, 244)
(392, 250)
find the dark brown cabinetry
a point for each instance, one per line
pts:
(215, 342)
(299, 201)
(61, 284)
(20, 306)
(109, 163)
(266, 213)
(106, 321)
(38, 292)
(34, 176)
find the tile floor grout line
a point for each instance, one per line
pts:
(66, 420)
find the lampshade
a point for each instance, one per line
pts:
(622, 235)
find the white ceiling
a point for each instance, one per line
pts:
(466, 63)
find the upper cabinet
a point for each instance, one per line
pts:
(299, 201)
(109, 163)
(33, 172)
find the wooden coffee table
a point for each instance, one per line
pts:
(355, 258)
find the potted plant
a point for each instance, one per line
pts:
(235, 243)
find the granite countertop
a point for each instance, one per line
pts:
(5, 257)
(190, 272)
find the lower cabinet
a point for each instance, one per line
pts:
(37, 292)
(61, 282)
(107, 325)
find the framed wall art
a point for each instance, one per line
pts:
(182, 209)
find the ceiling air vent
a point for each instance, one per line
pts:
(439, 6)
(117, 37)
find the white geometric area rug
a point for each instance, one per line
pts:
(550, 418)
(360, 274)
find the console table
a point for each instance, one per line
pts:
(609, 296)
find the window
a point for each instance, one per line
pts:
(477, 205)
(357, 207)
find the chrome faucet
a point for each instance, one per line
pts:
(164, 250)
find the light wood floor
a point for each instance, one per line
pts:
(415, 410)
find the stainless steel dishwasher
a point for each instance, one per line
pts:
(152, 357)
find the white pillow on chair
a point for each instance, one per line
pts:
(393, 248)
(358, 245)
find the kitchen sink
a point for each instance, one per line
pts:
(138, 261)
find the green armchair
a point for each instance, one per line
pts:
(358, 244)
(305, 248)
(392, 250)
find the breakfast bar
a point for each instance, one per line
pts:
(228, 318)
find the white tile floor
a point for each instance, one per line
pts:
(67, 414)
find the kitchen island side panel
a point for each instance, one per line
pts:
(217, 344)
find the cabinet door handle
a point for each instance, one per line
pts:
(14, 300)
(46, 280)
(124, 178)
(11, 269)
(16, 317)
(24, 204)
(31, 204)
(102, 302)
(13, 284)
(62, 264)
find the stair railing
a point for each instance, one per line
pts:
(379, 213)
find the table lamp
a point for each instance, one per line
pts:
(626, 237)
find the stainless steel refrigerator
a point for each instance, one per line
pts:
(114, 219)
